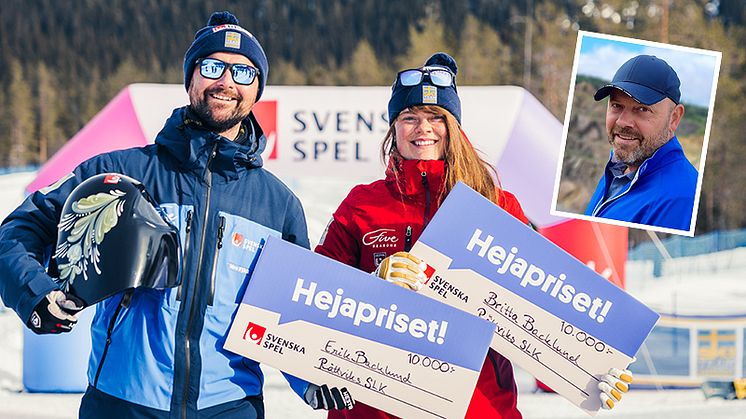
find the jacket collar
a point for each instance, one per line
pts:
(408, 179)
(191, 143)
(665, 154)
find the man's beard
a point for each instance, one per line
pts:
(203, 110)
(646, 148)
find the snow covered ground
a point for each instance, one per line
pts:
(281, 402)
(320, 198)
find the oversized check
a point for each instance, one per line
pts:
(554, 316)
(329, 323)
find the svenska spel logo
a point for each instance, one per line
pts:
(429, 271)
(254, 332)
(240, 241)
(112, 179)
(237, 239)
(266, 113)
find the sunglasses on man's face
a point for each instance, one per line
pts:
(438, 76)
(212, 68)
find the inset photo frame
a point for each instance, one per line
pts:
(635, 135)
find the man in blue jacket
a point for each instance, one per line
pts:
(160, 354)
(648, 179)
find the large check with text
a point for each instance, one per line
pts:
(554, 316)
(329, 323)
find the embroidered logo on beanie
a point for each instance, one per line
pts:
(232, 40)
(430, 94)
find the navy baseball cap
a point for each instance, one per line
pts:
(646, 78)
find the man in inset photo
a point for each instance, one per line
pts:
(648, 179)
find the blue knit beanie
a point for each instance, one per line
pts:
(426, 93)
(222, 34)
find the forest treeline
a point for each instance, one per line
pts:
(62, 61)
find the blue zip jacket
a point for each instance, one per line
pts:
(661, 194)
(166, 351)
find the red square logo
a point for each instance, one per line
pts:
(113, 179)
(254, 332)
(429, 271)
(237, 239)
(266, 113)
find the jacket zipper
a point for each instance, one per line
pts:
(427, 199)
(603, 202)
(124, 303)
(408, 239)
(218, 246)
(495, 367)
(185, 253)
(195, 288)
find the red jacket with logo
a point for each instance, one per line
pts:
(388, 216)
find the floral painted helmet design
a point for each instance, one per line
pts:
(112, 237)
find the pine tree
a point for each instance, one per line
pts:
(285, 73)
(173, 74)
(48, 108)
(4, 130)
(365, 69)
(94, 97)
(553, 54)
(482, 58)
(424, 43)
(324, 74)
(126, 73)
(20, 101)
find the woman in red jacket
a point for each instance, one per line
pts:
(427, 154)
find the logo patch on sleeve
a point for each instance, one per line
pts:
(233, 40)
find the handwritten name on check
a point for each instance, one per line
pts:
(328, 323)
(554, 316)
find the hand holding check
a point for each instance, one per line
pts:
(404, 270)
(612, 386)
(323, 397)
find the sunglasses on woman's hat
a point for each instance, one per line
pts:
(438, 76)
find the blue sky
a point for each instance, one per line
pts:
(601, 57)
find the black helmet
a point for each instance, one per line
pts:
(111, 237)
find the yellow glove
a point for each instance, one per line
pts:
(404, 270)
(612, 386)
